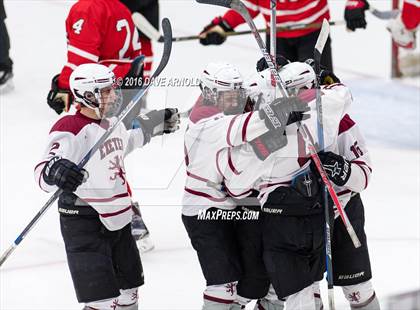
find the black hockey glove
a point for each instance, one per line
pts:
(215, 32)
(336, 166)
(134, 77)
(63, 173)
(268, 143)
(354, 14)
(280, 62)
(284, 111)
(59, 99)
(325, 77)
(157, 122)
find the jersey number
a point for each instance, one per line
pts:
(356, 150)
(123, 23)
(77, 26)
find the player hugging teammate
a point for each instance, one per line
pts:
(234, 152)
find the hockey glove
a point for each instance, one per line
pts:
(63, 173)
(400, 34)
(280, 62)
(268, 143)
(325, 77)
(354, 14)
(134, 77)
(215, 32)
(336, 166)
(283, 111)
(157, 122)
(59, 99)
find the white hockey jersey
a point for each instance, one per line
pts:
(106, 189)
(209, 132)
(243, 171)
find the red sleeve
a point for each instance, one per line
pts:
(411, 14)
(84, 37)
(234, 19)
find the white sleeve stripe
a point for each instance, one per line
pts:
(148, 59)
(308, 20)
(307, 7)
(251, 6)
(82, 53)
(71, 66)
(416, 3)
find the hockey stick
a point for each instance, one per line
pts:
(239, 7)
(167, 30)
(154, 34)
(384, 14)
(319, 47)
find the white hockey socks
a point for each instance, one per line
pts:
(270, 301)
(219, 297)
(128, 299)
(106, 304)
(361, 296)
(302, 300)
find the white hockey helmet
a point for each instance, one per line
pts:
(297, 75)
(260, 88)
(93, 85)
(218, 79)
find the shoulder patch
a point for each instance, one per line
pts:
(345, 124)
(72, 123)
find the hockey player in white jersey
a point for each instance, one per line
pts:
(348, 165)
(222, 119)
(95, 206)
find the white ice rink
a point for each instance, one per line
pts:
(36, 275)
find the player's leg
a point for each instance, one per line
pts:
(216, 246)
(351, 266)
(254, 282)
(6, 63)
(294, 241)
(270, 301)
(89, 254)
(306, 45)
(128, 269)
(285, 47)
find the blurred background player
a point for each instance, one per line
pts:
(150, 10)
(97, 31)
(403, 28)
(6, 64)
(294, 45)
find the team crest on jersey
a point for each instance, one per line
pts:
(117, 166)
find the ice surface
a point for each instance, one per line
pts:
(36, 275)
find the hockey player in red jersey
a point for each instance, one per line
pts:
(294, 45)
(95, 205)
(97, 31)
(403, 27)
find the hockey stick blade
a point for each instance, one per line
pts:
(384, 14)
(320, 43)
(167, 33)
(224, 3)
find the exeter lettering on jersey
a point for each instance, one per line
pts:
(111, 145)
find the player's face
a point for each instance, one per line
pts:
(232, 101)
(110, 100)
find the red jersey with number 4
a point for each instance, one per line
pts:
(99, 30)
(288, 13)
